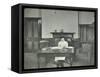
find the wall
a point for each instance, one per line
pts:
(86, 17)
(60, 19)
(31, 12)
(55, 19)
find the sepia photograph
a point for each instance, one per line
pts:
(56, 38)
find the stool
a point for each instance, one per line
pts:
(60, 63)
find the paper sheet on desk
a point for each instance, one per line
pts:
(68, 49)
(59, 58)
(59, 49)
(53, 48)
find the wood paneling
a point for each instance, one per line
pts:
(31, 34)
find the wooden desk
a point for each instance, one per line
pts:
(47, 54)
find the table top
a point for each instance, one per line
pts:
(57, 50)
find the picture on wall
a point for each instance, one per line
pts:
(53, 38)
(58, 38)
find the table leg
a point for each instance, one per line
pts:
(38, 61)
(71, 61)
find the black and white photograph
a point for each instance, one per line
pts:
(56, 38)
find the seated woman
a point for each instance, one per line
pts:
(62, 43)
(59, 60)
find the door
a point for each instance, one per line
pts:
(87, 41)
(86, 32)
(31, 34)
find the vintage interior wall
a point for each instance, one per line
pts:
(86, 17)
(31, 12)
(59, 19)
(55, 20)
